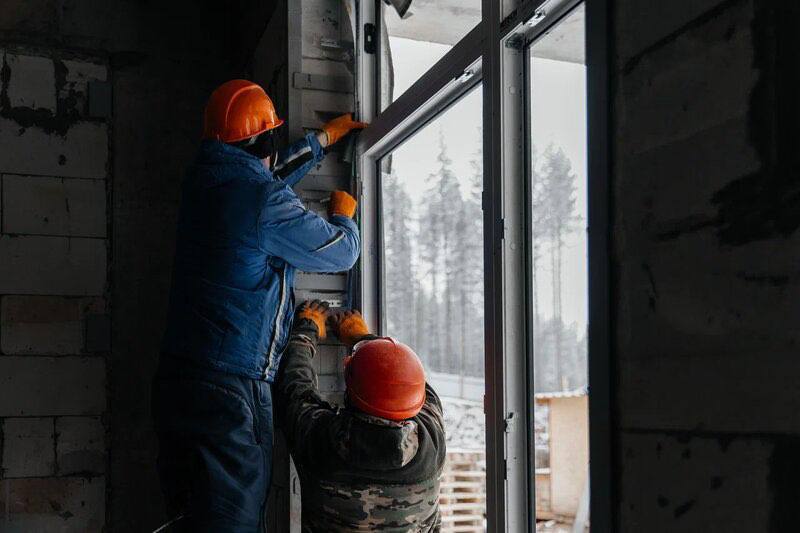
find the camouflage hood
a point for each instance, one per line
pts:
(376, 443)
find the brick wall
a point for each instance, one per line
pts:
(54, 322)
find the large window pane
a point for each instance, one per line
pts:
(412, 44)
(433, 277)
(559, 274)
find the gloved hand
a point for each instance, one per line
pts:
(342, 203)
(349, 326)
(341, 126)
(317, 312)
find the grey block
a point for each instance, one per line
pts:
(45, 325)
(31, 82)
(54, 206)
(28, 447)
(321, 82)
(80, 153)
(52, 386)
(52, 265)
(67, 505)
(80, 445)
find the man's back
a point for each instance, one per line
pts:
(358, 472)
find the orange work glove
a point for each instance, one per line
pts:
(317, 312)
(342, 203)
(341, 126)
(349, 327)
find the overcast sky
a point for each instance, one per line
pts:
(559, 116)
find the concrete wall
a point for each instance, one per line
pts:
(100, 110)
(706, 252)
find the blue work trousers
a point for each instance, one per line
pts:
(215, 438)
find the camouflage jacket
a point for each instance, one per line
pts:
(357, 472)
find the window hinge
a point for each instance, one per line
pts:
(370, 37)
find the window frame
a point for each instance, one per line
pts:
(495, 52)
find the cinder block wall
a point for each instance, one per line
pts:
(706, 198)
(54, 312)
(100, 111)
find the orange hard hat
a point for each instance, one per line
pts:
(239, 109)
(385, 378)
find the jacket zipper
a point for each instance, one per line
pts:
(278, 321)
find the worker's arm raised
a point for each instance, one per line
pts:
(294, 161)
(302, 413)
(305, 240)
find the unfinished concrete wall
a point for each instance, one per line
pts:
(706, 250)
(100, 111)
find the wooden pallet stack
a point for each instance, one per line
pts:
(462, 497)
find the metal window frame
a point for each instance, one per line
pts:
(495, 51)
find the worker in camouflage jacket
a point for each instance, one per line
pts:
(373, 465)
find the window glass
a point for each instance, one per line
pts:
(559, 297)
(432, 228)
(412, 44)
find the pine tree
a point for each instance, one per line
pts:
(451, 220)
(539, 229)
(435, 239)
(559, 190)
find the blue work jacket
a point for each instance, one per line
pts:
(242, 234)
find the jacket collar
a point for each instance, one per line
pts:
(213, 152)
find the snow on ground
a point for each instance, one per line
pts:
(465, 425)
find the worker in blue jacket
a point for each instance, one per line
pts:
(242, 235)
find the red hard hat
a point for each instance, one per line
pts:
(239, 109)
(385, 378)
